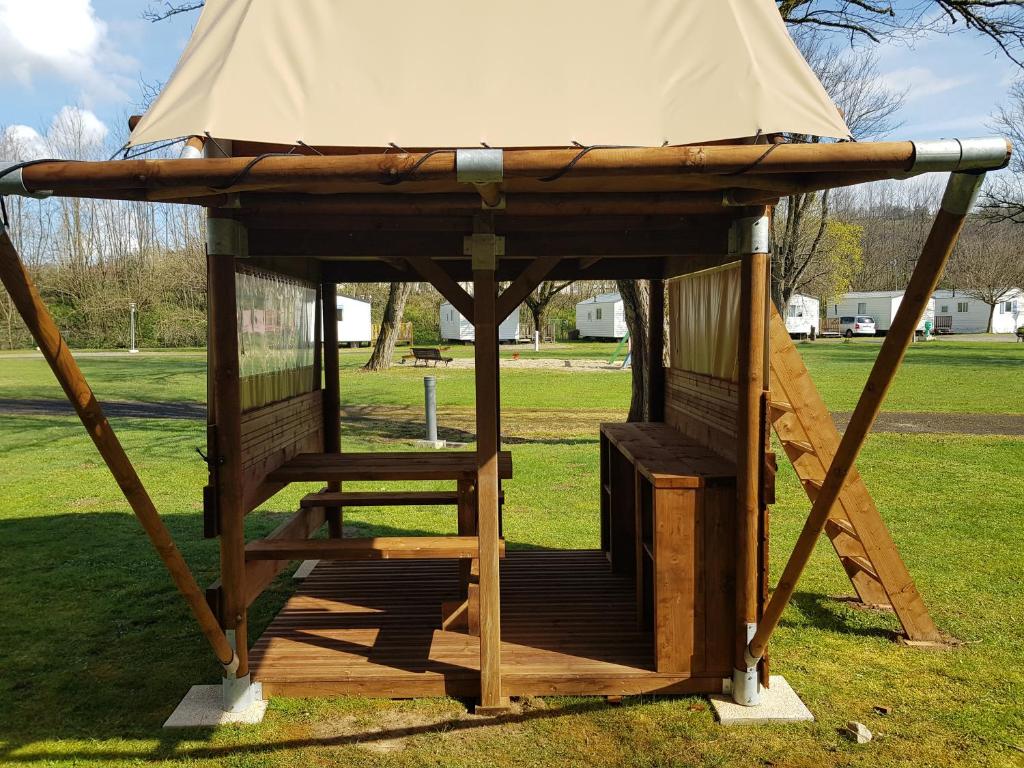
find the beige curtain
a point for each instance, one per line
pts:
(704, 314)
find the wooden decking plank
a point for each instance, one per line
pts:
(373, 548)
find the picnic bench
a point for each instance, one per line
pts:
(427, 355)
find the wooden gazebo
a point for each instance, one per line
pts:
(677, 600)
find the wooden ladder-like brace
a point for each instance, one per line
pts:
(859, 535)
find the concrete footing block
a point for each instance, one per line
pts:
(779, 704)
(203, 707)
(305, 569)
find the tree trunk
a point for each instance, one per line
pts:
(636, 303)
(538, 318)
(384, 347)
(991, 314)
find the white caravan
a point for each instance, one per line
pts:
(803, 316)
(957, 313)
(602, 317)
(880, 306)
(454, 327)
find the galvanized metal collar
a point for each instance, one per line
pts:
(750, 235)
(988, 153)
(962, 192)
(226, 237)
(12, 181)
(479, 166)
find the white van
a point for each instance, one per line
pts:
(856, 325)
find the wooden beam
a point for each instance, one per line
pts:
(434, 274)
(750, 438)
(332, 396)
(55, 350)
(961, 191)
(224, 369)
(656, 352)
(374, 548)
(523, 286)
(487, 484)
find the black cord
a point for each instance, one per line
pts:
(149, 149)
(398, 178)
(238, 177)
(583, 153)
(754, 164)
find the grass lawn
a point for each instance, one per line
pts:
(96, 648)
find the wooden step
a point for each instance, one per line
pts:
(862, 564)
(811, 483)
(781, 406)
(800, 445)
(377, 548)
(835, 526)
(383, 498)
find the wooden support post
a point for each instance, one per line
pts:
(33, 311)
(225, 242)
(656, 353)
(750, 241)
(484, 248)
(961, 192)
(332, 396)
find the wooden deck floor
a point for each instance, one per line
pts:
(372, 628)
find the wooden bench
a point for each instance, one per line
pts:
(428, 355)
(383, 498)
(376, 548)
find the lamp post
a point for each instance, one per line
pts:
(132, 348)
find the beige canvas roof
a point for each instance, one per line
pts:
(528, 73)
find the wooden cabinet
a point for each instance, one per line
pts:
(668, 517)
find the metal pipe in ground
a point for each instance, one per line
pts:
(430, 406)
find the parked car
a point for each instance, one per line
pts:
(857, 325)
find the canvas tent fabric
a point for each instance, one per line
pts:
(458, 73)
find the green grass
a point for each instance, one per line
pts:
(96, 648)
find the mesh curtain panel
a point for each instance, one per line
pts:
(276, 337)
(704, 312)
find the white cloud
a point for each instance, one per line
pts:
(922, 82)
(74, 133)
(64, 38)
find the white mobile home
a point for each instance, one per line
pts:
(958, 313)
(354, 328)
(602, 317)
(454, 327)
(803, 316)
(881, 306)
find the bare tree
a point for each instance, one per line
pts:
(387, 337)
(987, 265)
(1004, 194)
(539, 301)
(801, 223)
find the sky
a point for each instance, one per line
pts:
(89, 59)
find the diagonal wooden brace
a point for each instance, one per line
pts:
(961, 192)
(39, 321)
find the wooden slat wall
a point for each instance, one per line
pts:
(703, 408)
(273, 435)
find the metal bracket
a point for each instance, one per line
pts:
(479, 166)
(484, 249)
(746, 687)
(239, 693)
(750, 235)
(226, 237)
(962, 192)
(12, 182)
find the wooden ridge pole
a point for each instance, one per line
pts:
(46, 334)
(750, 241)
(961, 192)
(332, 395)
